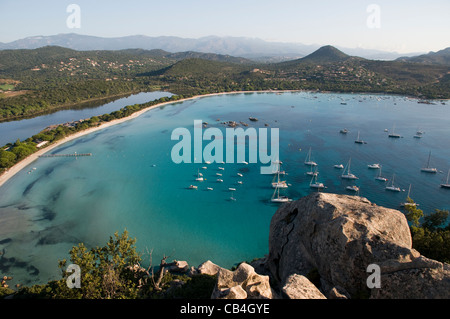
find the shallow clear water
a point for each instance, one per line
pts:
(131, 181)
(23, 129)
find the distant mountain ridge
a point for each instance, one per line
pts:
(439, 57)
(251, 48)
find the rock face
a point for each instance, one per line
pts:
(243, 283)
(336, 238)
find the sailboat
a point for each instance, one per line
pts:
(316, 184)
(393, 134)
(278, 198)
(391, 187)
(278, 183)
(308, 159)
(381, 178)
(429, 169)
(312, 173)
(348, 175)
(407, 202)
(446, 184)
(199, 176)
(359, 141)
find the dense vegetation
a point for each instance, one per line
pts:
(114, 271)
(53, 77)
(430, 233)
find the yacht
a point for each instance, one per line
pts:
(391, 187)
(278, 183)
(359, 141)
(315, 184)
(393, 134)
(446, 184)
(374, 166)
(429, 169)
(308, 160)
(353, 188)
(407, 202)
(381, 178)
(278, 198)
(340, 166)
(348, 175)
(199, 177)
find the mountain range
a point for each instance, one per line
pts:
(251, 48)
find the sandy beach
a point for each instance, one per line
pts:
(30, 159)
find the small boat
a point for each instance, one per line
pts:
(417, 136)
(393, 134)
(353, 188)
(429, 169)
(254, 119)
(381, 178)
(359, 141)
(343, 131)
(315, 184)
(311, 173)
(193, 187)
(408, 202)
(222, 168)
(231, 189)
(218, 174)
(208, 162)
(374, 166)
(391, 187)
(199, 177)
(209, 188)
(239, 182)
(204, 167)
(239, 174)
(219, 180)
(348, 175)
(279, 184)
(339, 166)
(308, 159)
(446, 184)
(278, 198)
(244, 162)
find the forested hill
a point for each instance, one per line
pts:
(35, 81)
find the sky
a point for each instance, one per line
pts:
(396, 25)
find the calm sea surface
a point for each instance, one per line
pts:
(132, 183)
(23, 129)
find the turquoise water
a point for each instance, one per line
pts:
(131, 181)
(23, 129)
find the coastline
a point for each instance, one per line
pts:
(30, 159)
(33, 157)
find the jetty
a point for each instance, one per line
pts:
(66, 155)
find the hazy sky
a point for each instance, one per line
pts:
(395, 25)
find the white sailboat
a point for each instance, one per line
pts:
(359, 141)
(313, 173)
(348, 175)
(393, 134)
(308, 160)
(199, 176)
(278, 183)
(381, 178)
(278, 198)
(392, 187)
(407, 203)
(315, 184)
(429, 169)
(446, 184)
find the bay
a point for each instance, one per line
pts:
(23, 129)
(132, 183)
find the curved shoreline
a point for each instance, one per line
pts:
(30, 159)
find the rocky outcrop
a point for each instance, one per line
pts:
(337, 237)
(243, 283)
